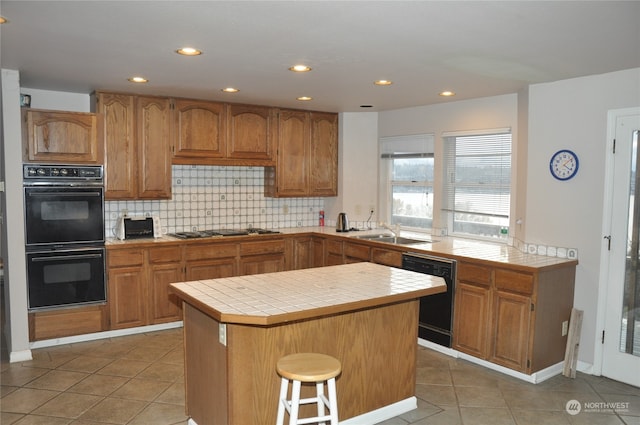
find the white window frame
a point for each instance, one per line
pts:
(445, 201)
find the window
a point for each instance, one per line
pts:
(477, 183)
(407, 179)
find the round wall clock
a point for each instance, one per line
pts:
(564, 164)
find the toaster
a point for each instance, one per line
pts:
(133, 227)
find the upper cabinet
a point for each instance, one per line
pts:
(136, 133)
(60, 137)
(250, 133)
(199, 131)
(307, 162)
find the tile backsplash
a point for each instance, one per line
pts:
(218, 197)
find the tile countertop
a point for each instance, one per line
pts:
(274, 298)
(446, 246)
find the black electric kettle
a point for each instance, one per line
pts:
(342, 223)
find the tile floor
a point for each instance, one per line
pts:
(138, 380)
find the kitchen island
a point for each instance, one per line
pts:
(364, 314)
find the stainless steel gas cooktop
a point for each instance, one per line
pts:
(221, 232)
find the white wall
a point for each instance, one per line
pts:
(477, 114)
(357, 167)
(16, 326)
(573, 114)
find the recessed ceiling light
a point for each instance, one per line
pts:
(189, 51)
(383, 83)
(304, 98)
(447, 93)
(3, 20)
(230, 90)
(300, 68)
(138, 80)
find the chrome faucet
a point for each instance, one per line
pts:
(395, 230)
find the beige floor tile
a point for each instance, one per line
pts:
(173, 395)
(124, 367)
(25, 400)
(537, 417)
(87, 364)
(141, 389)
(42, 420)
(67, 405)
(595, 419)
(160, 414)
(18, 375)
(433, 375)
(6, 389)
(147, 354)
(7, 418)
(449, 415)
(114, 410)
(480, 397)
(58, 380)
(439, 395)
(486, 416)
(99, 385)
(175, 356)
(163, 372)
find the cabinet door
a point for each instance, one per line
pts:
(154, 150)
(165, 306)
(318, 252)
(471, 319)
(61, 137)
(199, 129)
(257, 264)
(118, 133)
(323, 173)
(293, 154)
(302, 253)
(356, 253)
(211, 269)
(127, 297)
(250, 132)
(511, 321)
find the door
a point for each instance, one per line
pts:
(621, 350)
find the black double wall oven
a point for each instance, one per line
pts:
(64, 234)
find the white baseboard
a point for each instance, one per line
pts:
(375, 416)
(535, 378)
(102, 335)
(20, 356)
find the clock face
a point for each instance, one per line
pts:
(563, 164)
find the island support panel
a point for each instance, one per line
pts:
(238, 384)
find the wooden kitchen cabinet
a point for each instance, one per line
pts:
(262, 257)
(61, 137)
(199, 131)
(512, 317)
(210, 261)
(136, 135)
(356, 253)
(307, 159)
(138, 285)
(67, 322)
(333, 252)
(127, 288)
(300, 253)
(250, 134)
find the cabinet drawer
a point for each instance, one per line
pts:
(388, 258)
(509, 280)
(209, 251)
(474, 273)
(263, 247)
(360, 252)
(125, 257)
(165, 254)
(333, 247)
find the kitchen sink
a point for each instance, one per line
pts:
(384, 237)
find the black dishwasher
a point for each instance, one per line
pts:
(436, 311)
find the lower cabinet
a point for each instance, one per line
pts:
(262, 257)
(138, 286)
(210, 261)
(68, 322)
(512, 318)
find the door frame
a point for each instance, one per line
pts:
(603, 281)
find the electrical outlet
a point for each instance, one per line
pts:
(222, 333)
(565, 328)
(371, 210)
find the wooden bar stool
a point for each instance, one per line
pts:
(308, 367)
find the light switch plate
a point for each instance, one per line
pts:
(222, 334)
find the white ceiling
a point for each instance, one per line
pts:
(475, 48)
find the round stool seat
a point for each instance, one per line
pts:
(308, 367)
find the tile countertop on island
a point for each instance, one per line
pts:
(447, 246)
(274, 298)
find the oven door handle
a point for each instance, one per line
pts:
(66, 257)
(65, 194)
